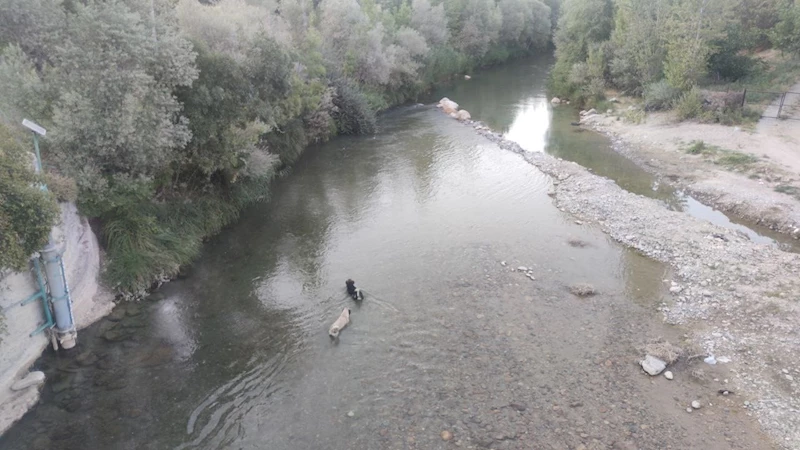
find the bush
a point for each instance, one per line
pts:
(63, 188)
(353, 114)
(26, 212)
(659, 96)
(689, 105)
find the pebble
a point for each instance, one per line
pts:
(688, 410)
(522, 269)
(578, 222)
(446, 435)
(351, 414)
(710, 360)
(789, 377)
(696, 404)
(668, 375)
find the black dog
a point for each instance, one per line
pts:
(353, 291)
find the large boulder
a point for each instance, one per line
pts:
(463, 115)
(448, 106)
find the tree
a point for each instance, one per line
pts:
(430, 21)
(786, 34)
(693, 26)
(639, 38)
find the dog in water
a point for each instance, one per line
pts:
(341, 322)
(353, 291)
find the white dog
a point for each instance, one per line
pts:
(341, 322)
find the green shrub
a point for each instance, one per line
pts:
(736, 159)
(689, 105)
(64, 188)
(353, 114)
(659, 96)
(27, 213)
(697, 148)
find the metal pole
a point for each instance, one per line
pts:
(744, 96)
(783, 97)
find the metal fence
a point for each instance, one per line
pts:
(774, 105)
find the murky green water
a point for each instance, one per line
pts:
(423, 215)
(512, 101)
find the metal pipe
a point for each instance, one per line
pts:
(59, 295)
(60, 300)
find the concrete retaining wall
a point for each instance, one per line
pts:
(18, 350)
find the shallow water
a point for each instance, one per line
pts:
(423, 215)
(511, 99)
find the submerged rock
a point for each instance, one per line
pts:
(32, 379)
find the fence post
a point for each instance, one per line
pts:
(783, 97)
(744, 96)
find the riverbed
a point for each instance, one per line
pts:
(454, 345)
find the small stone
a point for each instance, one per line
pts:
(652, 365)
(446, 435)
(503, 263)
(34, 378)
(785, 370)
(789, 377)
(668, 375)
(723, 359)
(578, 222)
(688, 410)
(351, 414)
(707, 293)
(522, 269)
(710, 360)
(696, 404)
(675, 289)
(746, 403)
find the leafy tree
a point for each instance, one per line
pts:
(786, 34)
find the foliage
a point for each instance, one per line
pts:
(689, 105)
(26, 212)
(786, 33)
(172, 115)
(660, 95)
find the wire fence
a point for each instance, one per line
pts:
(774, 105)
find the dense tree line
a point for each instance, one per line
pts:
(662, 49)
(170, 116)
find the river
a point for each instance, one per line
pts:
(431, 220)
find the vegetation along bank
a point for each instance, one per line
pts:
(166, 118)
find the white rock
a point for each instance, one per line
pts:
(555, 101)
(502, 263)
(591, 112)
(522, 269)
(710, 360)
(463, 115)
(696, 404)
(467, 77)
(32, 379)
(350, 414)
(675, 289)
(789, 377)
(688, 410)
(723, 359)
(652, 365)
(668, 375)
(448, 106)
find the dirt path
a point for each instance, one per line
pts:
(752, 174)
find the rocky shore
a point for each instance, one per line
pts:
(739, 300)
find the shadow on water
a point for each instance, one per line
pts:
(511, 99)
(235, 355)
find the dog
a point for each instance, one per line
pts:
(339, 324)
(353, 291)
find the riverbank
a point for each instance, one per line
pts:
(91, 302)
(752, 174)
(737, 298)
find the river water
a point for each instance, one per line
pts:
(431, 220)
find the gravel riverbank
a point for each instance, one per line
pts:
(740, 300)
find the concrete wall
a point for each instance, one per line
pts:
(91, 301)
